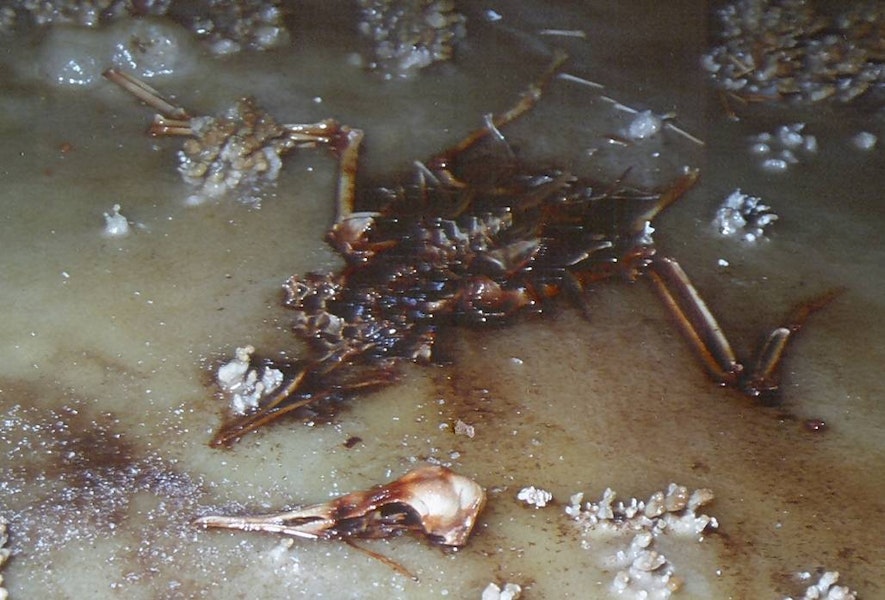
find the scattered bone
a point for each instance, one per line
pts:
(431, 500)
(580, 80)
(238, 153)
(575, 33)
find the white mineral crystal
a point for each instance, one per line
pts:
(826, 589)
(244, 384)
(642, 571)
(774, 165)
(534, 496)
(462, 428)
(116, 224)
(778, 149)
(644, 125)
(492, 591)
(864, 140)
(743, 216)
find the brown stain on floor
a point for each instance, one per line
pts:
(786, 501)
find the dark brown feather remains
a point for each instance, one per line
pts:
(475, 239)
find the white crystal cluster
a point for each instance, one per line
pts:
(785, 49)
(826, 588)
(116, 225)
(225, 27)
(534, 496)
(510, 591)
(782, 148)
(245, 385)
(238, 153)
(864, 140)
(644, 125)
(641, 570)
(405, 36)
(743, 216)
(75, 57)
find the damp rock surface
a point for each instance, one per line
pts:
(111, 344)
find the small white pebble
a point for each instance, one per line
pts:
(511, 591)
(810, 144)
(789, 136)
(534, 496)
(462, 428)
(760, 148)
(774, 165)
(789, 156)
(116, 224)
(644, 125)
(864, 140)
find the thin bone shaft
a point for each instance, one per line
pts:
(769, 359)
(310, 529)
(146, 94)
(347, 174)
(528, 100)
(668, 197)
(696, 321)
(763, 377)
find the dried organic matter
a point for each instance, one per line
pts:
(475, 239)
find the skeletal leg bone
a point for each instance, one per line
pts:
(763, 379)
(695, 320)
(146, 94)
(705, 335)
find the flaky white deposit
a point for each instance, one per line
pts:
(243, 384)
(864, 140)
(644, 125)
(116, 225)
(744, 217)
(76, 56)
(782, 148)
(493, 591)
(641, 571)
(826, 588)
(534, 496)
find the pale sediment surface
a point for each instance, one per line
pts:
(110, 343)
